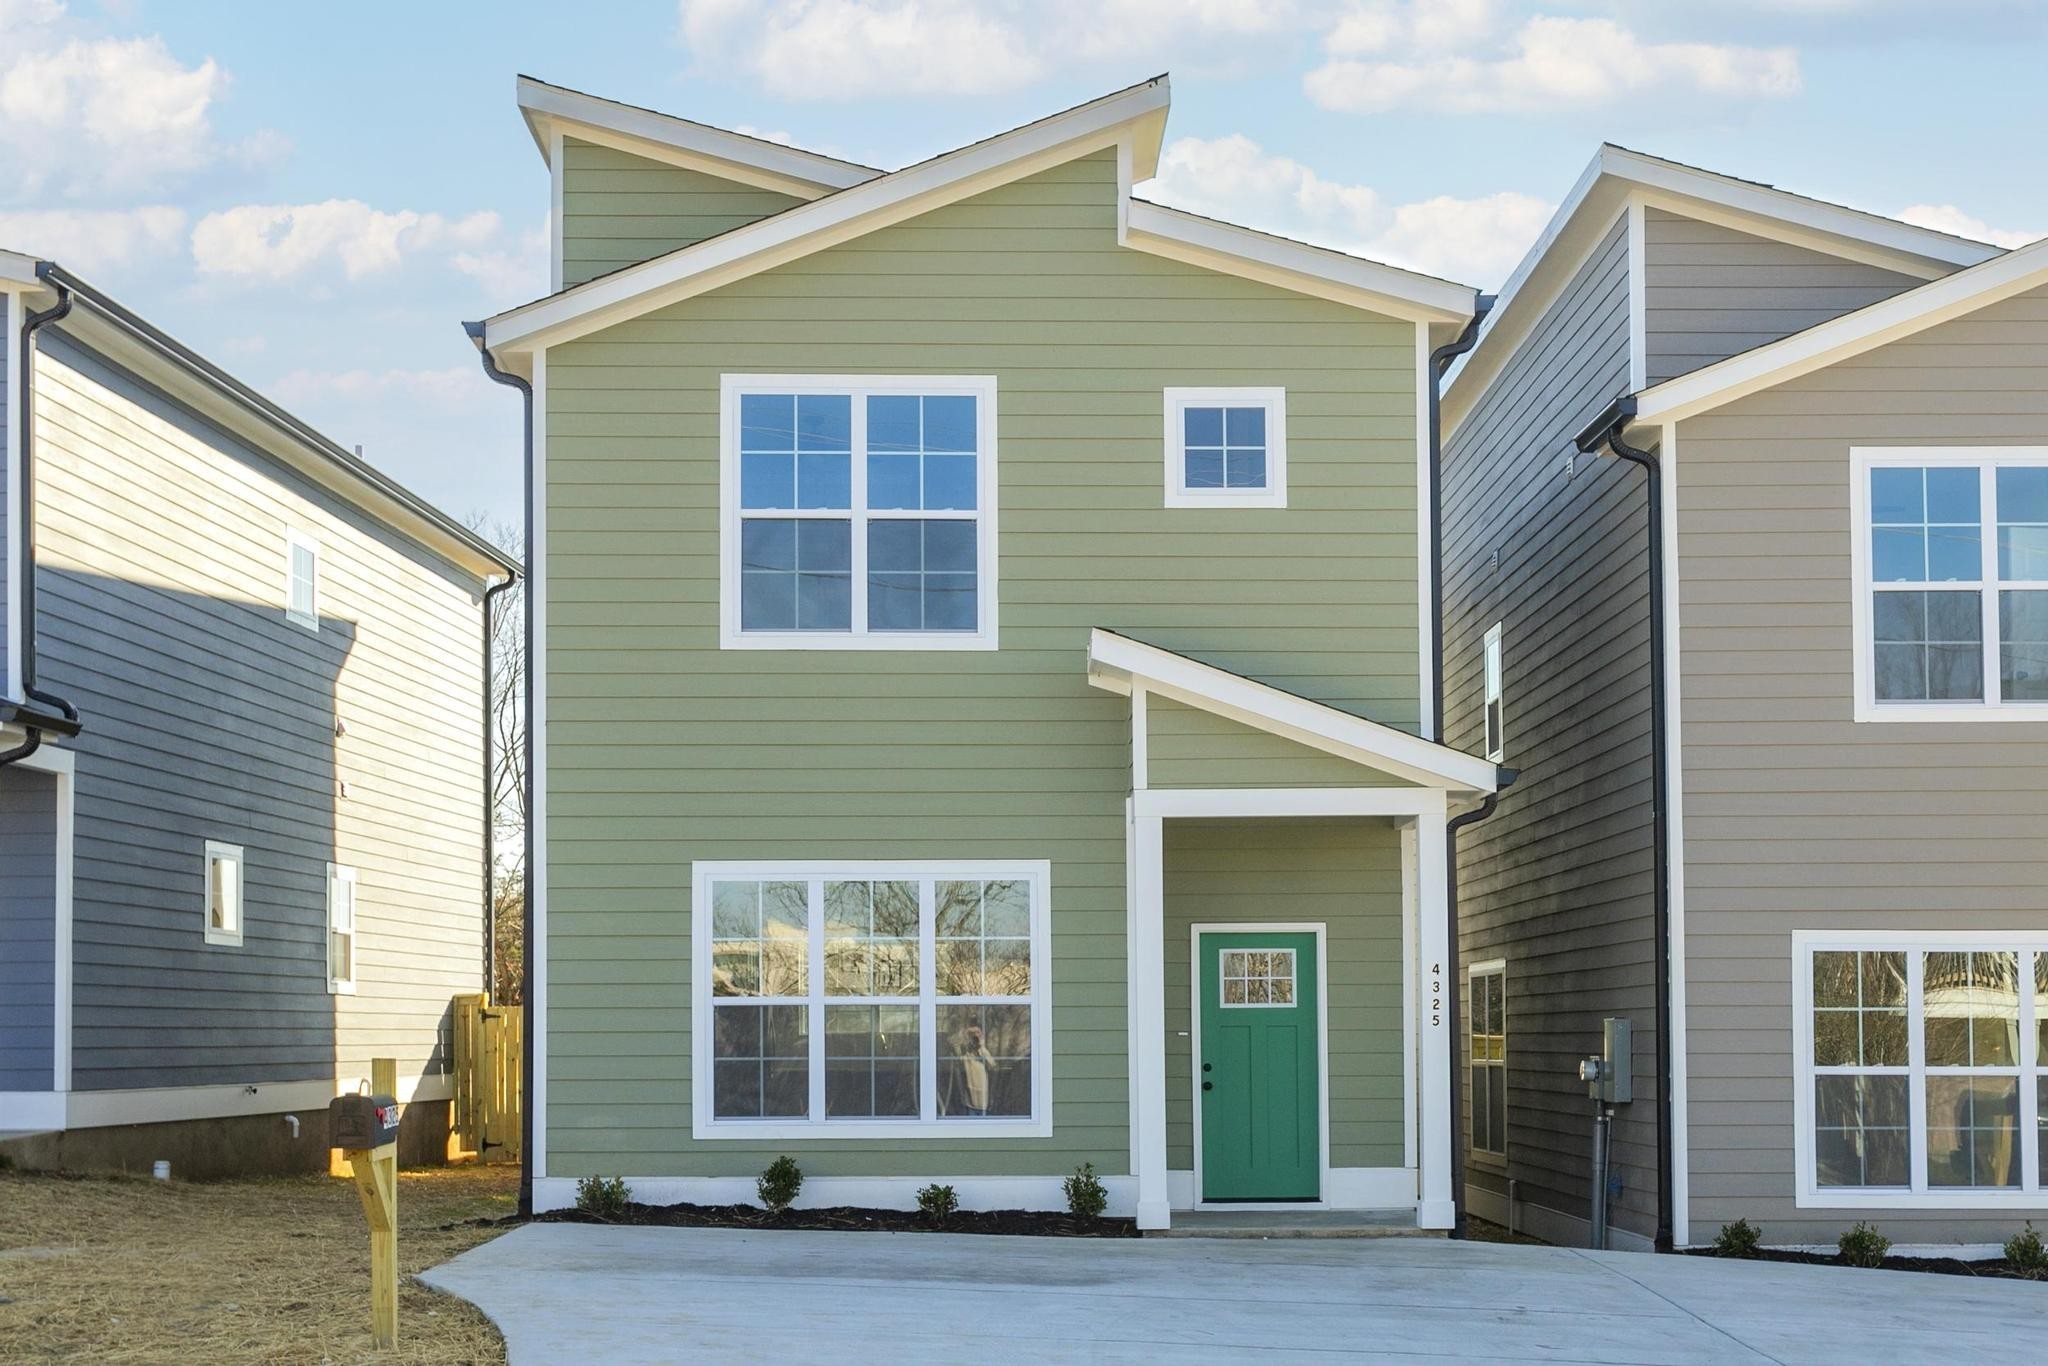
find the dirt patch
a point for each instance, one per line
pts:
(1991, 1268)
(1033, 1223)
(126, 1269)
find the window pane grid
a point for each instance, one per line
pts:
(1953, 1116)
(1486, 1015)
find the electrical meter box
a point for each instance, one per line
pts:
(362, 1121)
(1610, 1077)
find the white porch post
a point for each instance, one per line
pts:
(1436, 1208)
(1147, 974)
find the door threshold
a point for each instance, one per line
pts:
(1293, 1221)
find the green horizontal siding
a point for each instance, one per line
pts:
(619, 209)
(1346, 875)
(663, 750)
(1188, 747)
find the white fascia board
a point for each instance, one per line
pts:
(681, 142)
(1841, 338)
(1297, 266)
(1133, 114)
(17, 270)
(1118, 663)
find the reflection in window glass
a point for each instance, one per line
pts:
(871, 1061)
(760, 1064)
(984, 1060)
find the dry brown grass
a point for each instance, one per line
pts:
(125, 1269)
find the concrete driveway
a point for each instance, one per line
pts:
(585, 1294)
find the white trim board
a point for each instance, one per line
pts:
(63, 765)
(1118, 663)
(1674, 782)
(537, 778)
(170, 1104)
(1320, 930)
(1345, 1188)
(11, 493)
(865, 1192)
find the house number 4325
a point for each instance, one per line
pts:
(1436, 994)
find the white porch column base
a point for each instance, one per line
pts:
(1436, 1206)
(1147, 968)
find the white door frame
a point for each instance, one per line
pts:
(1319, 929)
(46, 1109)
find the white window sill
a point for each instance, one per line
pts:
(1968, 712)
(341, 988)
(1227, 498)
(892, 1129)
(1961, 1197)
(227, 939)
(835, 640)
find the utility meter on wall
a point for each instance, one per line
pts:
(1610, 1077)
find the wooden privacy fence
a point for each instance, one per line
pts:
(488, 1046)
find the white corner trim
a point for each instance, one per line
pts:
(1411, 974)
(1864, 459)
(1296, 266)
(1141, 741)
(1674, 780)
(1273, 401)
(1846, 337)
(63, 765)
(1425, 509)
(537, 780)
(1035, 873)
(864, 1192)
(557, 229)
(1118, 663)
(982, 388)
(11, 495)
(852, 212)
(1638, 298)
(215, 852)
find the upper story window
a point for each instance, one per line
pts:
(1496, 719)
(1487, 1027)
(871, 1000)
(223, 893)
(302, 579)
(1951, 567)
(1921, 1078)
(858, 512)
(1226, 448)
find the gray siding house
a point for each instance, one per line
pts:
(252, 859)
(1849, 947)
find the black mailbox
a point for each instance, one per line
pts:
(362, 1121)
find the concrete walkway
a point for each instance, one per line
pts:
(584, 1294)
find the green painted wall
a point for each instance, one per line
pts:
(1346, 874)
(619, 209)
(662, 749)
(1189, 747)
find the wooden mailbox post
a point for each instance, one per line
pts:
(365, 1128)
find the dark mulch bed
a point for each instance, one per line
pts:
(1994, 1268)
(1035, 1223)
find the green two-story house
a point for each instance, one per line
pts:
(981, 681)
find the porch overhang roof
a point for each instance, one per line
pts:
(1120, 664)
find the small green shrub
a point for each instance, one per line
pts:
(1739, 1239)
(2027, 1254)
(1863, 1245)
(603, 1196)
(780, 1183)
(938, 1203)
(1086, 1196)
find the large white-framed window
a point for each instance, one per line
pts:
(223, 921)
(341, 929)
(1950, 567)
(1226, 447)
(1486, 1030)
(1496, 715)
(858, 512)
(302, 580)
(1919, 1061)
(871, 999)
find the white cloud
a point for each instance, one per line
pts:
(461, 386)
(283, 241)
(1385, 58)
(94, 117)
(518, 272)
(89, 240)
(1949, 218)
(1474, 240)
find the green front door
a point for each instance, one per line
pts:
(1258, 1067)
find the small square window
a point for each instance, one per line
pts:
(1226, 448)
(302, 580)
(223, 893)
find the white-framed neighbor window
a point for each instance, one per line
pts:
(871, 1000)
(223, 893)
(302, 579)
(858, 512)
(1226, 448)
(1496, 716)
(341, 929)
(1920, 1081)
(1950, 567)
(1486, 1030)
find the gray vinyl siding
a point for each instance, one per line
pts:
(1796, 817)
(1711, 292)
(1558, 882)
(619, 209)
(28, 928)
(209, 715)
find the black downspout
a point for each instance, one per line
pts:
(1607, 431)
(1440, 361)
(491, 789)
(526, 1106)
(25, 534)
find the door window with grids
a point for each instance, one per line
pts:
(1257, 977)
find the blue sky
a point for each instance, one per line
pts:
(317, 199)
